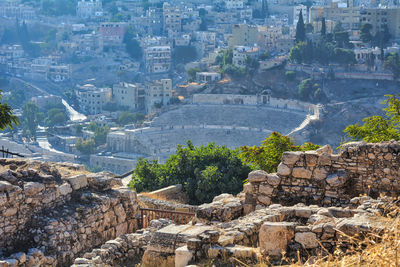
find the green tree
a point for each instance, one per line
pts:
(86, 147)
(392, 62)
(323, 27)
(127, 118)
(344, 56)
(100, 135)
(7, 119)
(365, 33)
(184, 54)
(306, 88)
(192, 73)
(31, 117)
(56, 116)
(132, 46)
(204, 171)
(379, 128)
(298, 52)
(300, 29)
(268, 155)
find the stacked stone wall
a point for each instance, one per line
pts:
(48, 218)
(320, 177)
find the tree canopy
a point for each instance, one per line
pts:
(300, 29)
(379, 128)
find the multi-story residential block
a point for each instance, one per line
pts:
(92, 99)
(240, 54)
(89, 8)
(157, 59)
(156, 20)
(158, 93)
(11, 52)
(15, 10)
(172, 21)
(59, 73)
(379, 18)
(296, 13)
(205, 42)
(244, 35)
(234, 4)
(88, 44)
(349, 17)
(112, 33)
(128, 95)
(205, 77)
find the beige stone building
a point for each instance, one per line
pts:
(379, 17)
(349, 17)
(243, 35)
(157, 93)
(128, 95)
(172, 21)
(92, 99)
(157, 59)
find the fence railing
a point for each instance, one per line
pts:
(179, 217)
(5, 153)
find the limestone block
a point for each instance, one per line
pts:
(10, 212)
(307, 239)
(222, 197)
(273, 179)
(324, 159)
(241, 252)
(126, 193)
(283, 169)
(6, 186)
(275, 236)
(291, 157)
(78, 181)
(265, 189)
(159, 259)
(11, 262)
(311, 158)
(120, 213)
(257, 176)
(303, 212)
(325, 149)
(337, 179)
(3, 199)
(320, 173)
(225, 240)
(32, 188)
(301, 173)
(64, 189)
(183, 256)
(264, 200)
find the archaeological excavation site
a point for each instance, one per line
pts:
(318, 202)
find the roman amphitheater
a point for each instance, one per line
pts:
(222, 119)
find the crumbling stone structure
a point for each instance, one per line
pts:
(55, 213)
(50, 214)
(320, 177)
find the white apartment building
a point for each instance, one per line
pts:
(157, 93)
(92, 99)
(89, 9)
(296, 13)
(234, 4)
(240, 53)
(157, 59)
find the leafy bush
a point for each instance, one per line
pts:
(290, 75)
(379, 128)
(268, 156)
(204, 171)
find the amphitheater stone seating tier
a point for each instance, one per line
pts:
(227, 125)
(273, 119)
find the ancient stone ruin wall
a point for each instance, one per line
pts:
(320, 177)
(49, 218)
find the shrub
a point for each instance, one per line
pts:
(204, 172)
(290, 75)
